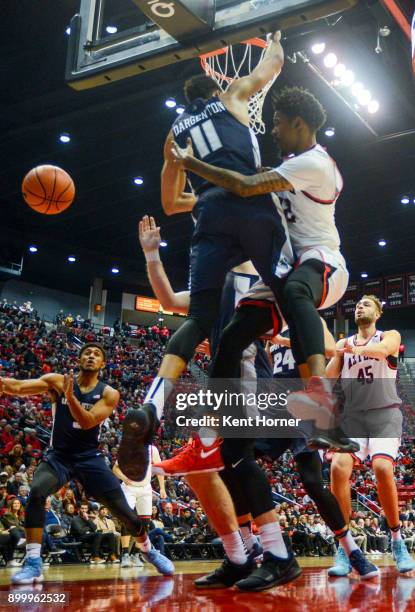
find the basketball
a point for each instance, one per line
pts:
(48, 189)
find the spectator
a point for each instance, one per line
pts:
(110, 535)
(170, 520)
(358, 532)
(14, 518)
(401, 352)
(23, 494)
(9, 539)
(67, 516)
(158, 536)
(85, 529)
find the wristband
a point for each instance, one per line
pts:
(152, 256)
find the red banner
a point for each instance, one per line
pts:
(395, 291)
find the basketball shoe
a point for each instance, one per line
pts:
(317, 403)
(194, 458)
(272, 572)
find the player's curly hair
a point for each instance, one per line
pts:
(96, 345)
(299, 102)
(199, 86)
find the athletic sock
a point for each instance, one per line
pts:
(396, 533)
(234, 547)
(145, 546)
(272, 540)
(33, 551)
(347, 542)
(247, 535)
(158, 393)
(208, 436)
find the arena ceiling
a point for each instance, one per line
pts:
(117, 133)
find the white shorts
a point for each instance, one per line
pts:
(385, 448)
(382, 428)
(140, 498)
(334, 287)
(336, 284)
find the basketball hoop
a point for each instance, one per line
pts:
(222, 66)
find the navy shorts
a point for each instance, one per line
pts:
(92, 471)
(230, 230)
(276, 447)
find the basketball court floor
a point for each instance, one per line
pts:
(100, 588)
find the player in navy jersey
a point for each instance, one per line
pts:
(228, 229)
(79, 405)
(248, 485)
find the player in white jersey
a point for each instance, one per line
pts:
(308, 183)
(367, 366)
(139, 495)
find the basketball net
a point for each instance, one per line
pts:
(222, 66)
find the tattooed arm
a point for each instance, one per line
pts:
(242, 185)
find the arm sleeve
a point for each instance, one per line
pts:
(303, 172)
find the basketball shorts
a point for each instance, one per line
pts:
(230, 230)
(335, 286)
(92, 471)
(140, 498)
(379, 432)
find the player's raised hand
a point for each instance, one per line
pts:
(149, 234)
(180, 155)
(167, 150)
(68, 385)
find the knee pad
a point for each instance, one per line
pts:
(185, 340)
(35, 509)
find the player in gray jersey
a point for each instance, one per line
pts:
(367, 366)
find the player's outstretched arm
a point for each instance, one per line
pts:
(101, 410)
(389, 345)
(149, 236)
(266, 70)
(174, 199)
(329, 342)
(242, 185)
(35, 386)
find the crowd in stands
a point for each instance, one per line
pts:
(29, 348)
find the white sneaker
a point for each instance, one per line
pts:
(14, 563)
(126, 561)
(136, 560)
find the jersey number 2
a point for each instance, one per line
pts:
(205, 138)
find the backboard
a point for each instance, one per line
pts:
(111, 40)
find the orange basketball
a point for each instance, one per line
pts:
(48, 189)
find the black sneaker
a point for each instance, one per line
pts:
(273, 571)
(226, 575)
(139, 427)
(332, 439)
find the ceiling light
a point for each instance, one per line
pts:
(330, 60)
(382, 243)
(405, 200)
(373, 106)
(364, 97)
(115, 270)
(138, 180)
(318, 48)
(170, 103)
(364, 275)
(33, 248)
(163, 243)
(71, 258)
(65, 137)
(347, 78)
(339, 70)
(111, 29)
(357, 88)
(68, 30)
(180, 109)
(330, 131)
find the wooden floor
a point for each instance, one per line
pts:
(101, 588)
